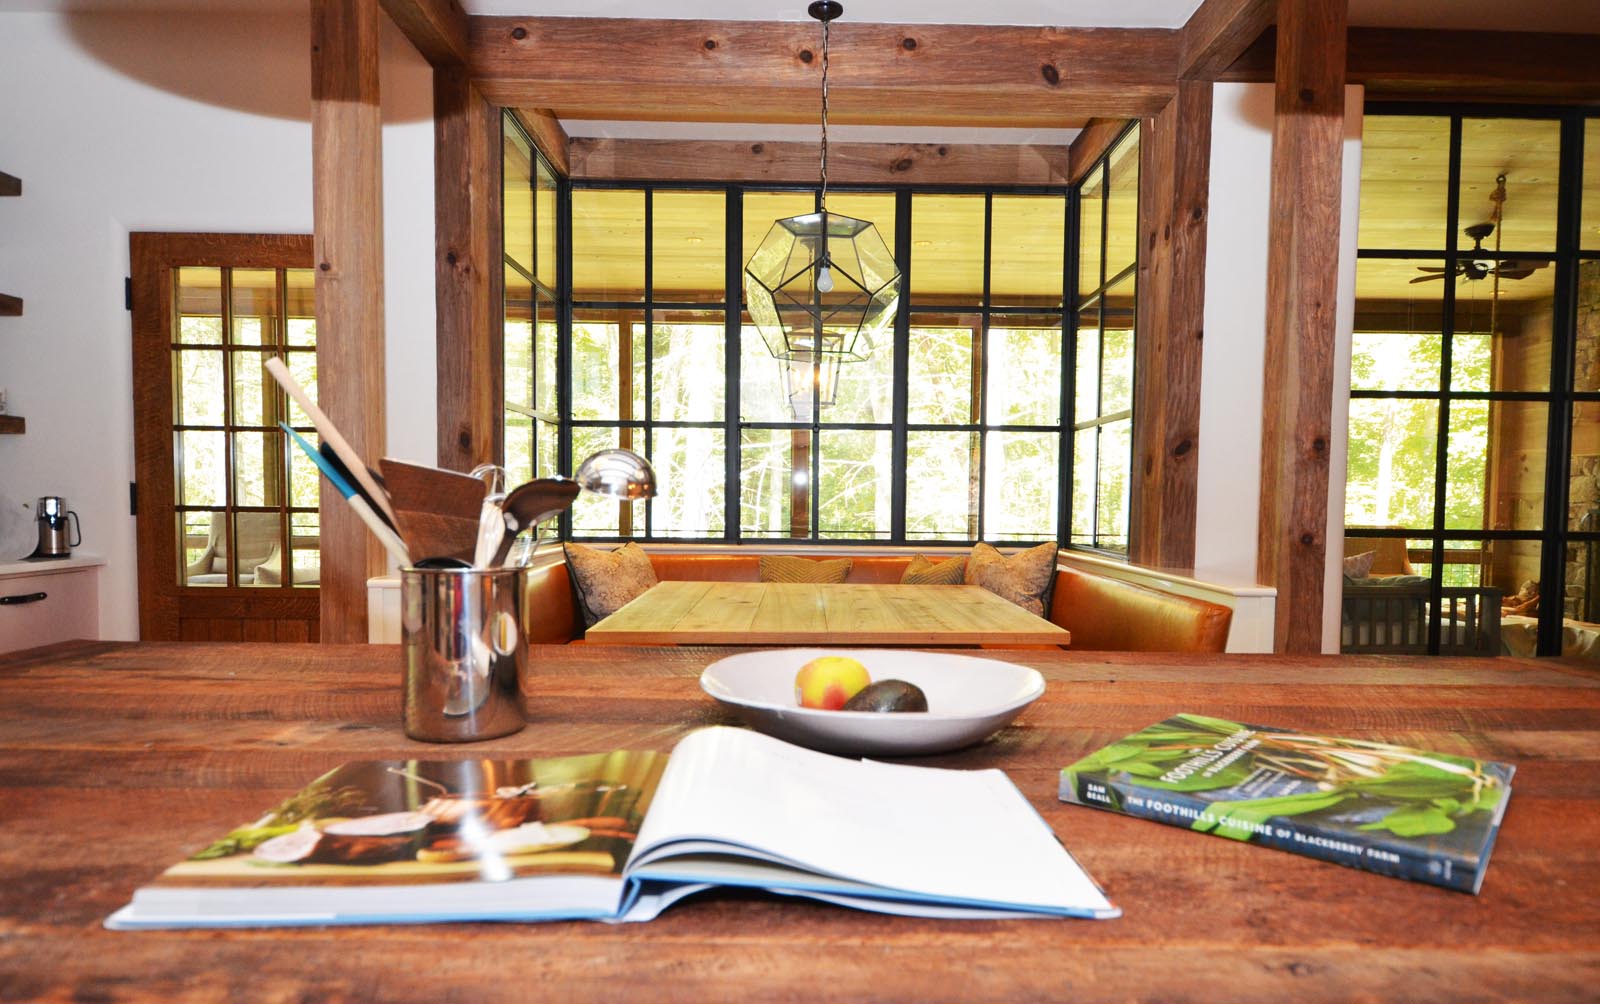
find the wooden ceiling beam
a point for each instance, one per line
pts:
(1411, 64)
(848, 163)
(1090, 145)
(438, 28)
(548, 136)
(1218, 33)
(720, 71)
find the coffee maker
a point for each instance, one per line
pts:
(54, 539)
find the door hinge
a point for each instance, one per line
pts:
(133, 498)
(127, 292)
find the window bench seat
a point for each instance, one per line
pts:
(1104, 613)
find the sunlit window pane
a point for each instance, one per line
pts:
(258, 469)
(1527, 153)
(1405, 173)
(769, 481)
(947, 242)
(1122, 206)
(689, 239)
(517, 200)
(940, 371)
(197, 387)
(1091, 232)
(597, 366)
(941, 492)
(1027, 250)
(517, 351)
(1111, 484)
(855, 484)
(687, 367)
(692, 462)
(607, 244)
(1024, 370)
(1390, 468)
(199, 296)
(1021, 485)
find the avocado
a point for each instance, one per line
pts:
(888, 695)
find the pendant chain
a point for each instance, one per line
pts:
(824, 199)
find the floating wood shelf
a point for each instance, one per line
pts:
(10, 306)
(12, 425)
(10, 185)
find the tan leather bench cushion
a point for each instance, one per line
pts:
(1103, 614)
(1109, 615)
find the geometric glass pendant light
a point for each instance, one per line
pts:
(821, 284)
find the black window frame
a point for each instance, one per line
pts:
(1554, 536)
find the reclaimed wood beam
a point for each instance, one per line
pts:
(1090, 145)
(1219, 32)
(1404, 63)
(682, 70)
(848, 163)
(467, 270)
(438, 28)
(347, 210)
(1302, 287)
(1174, 189)
(548, 136)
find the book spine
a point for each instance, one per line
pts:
(1369, 851)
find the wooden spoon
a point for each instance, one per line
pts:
(437, 510)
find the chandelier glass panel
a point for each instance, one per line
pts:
(821, 284)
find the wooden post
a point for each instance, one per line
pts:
(1302, 280)
(1174, 180)
(466, 192)
(347, 205)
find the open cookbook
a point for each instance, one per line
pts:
(620, 836)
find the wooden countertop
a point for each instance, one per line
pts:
(118, 759)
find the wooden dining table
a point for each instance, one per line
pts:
(117, 760)
(795, 613)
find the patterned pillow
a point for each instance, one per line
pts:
(787, 568)
(1024, 578)
(922, 572)
(1359, 566)
(608, 580)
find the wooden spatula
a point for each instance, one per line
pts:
(437, 509)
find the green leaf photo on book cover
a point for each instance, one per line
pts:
(1369, 785)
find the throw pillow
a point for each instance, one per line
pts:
(787, 568)
(608, 580)
(1024, 578)
(1359, 566)
(922, 572)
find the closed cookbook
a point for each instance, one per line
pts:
(1409, 813)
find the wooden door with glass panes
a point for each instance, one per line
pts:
(226, 502)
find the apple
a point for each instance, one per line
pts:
(828, 681)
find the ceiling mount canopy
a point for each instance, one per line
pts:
(821, 283)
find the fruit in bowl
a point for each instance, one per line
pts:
(888, 695)
(828, 681)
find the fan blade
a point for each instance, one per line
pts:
(1426, 278)
(1431, 268)
(1521, 265)
(1515, 273)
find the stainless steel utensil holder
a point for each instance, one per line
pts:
(464, 653)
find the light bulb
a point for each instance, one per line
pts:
(824, 279)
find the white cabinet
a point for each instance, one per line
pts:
(43, 602)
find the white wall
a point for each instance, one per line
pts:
(121, 122)
(1228, 503)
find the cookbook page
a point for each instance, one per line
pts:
(921, 832)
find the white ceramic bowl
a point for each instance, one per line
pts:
(969, 699)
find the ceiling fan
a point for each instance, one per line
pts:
(1476, 268)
